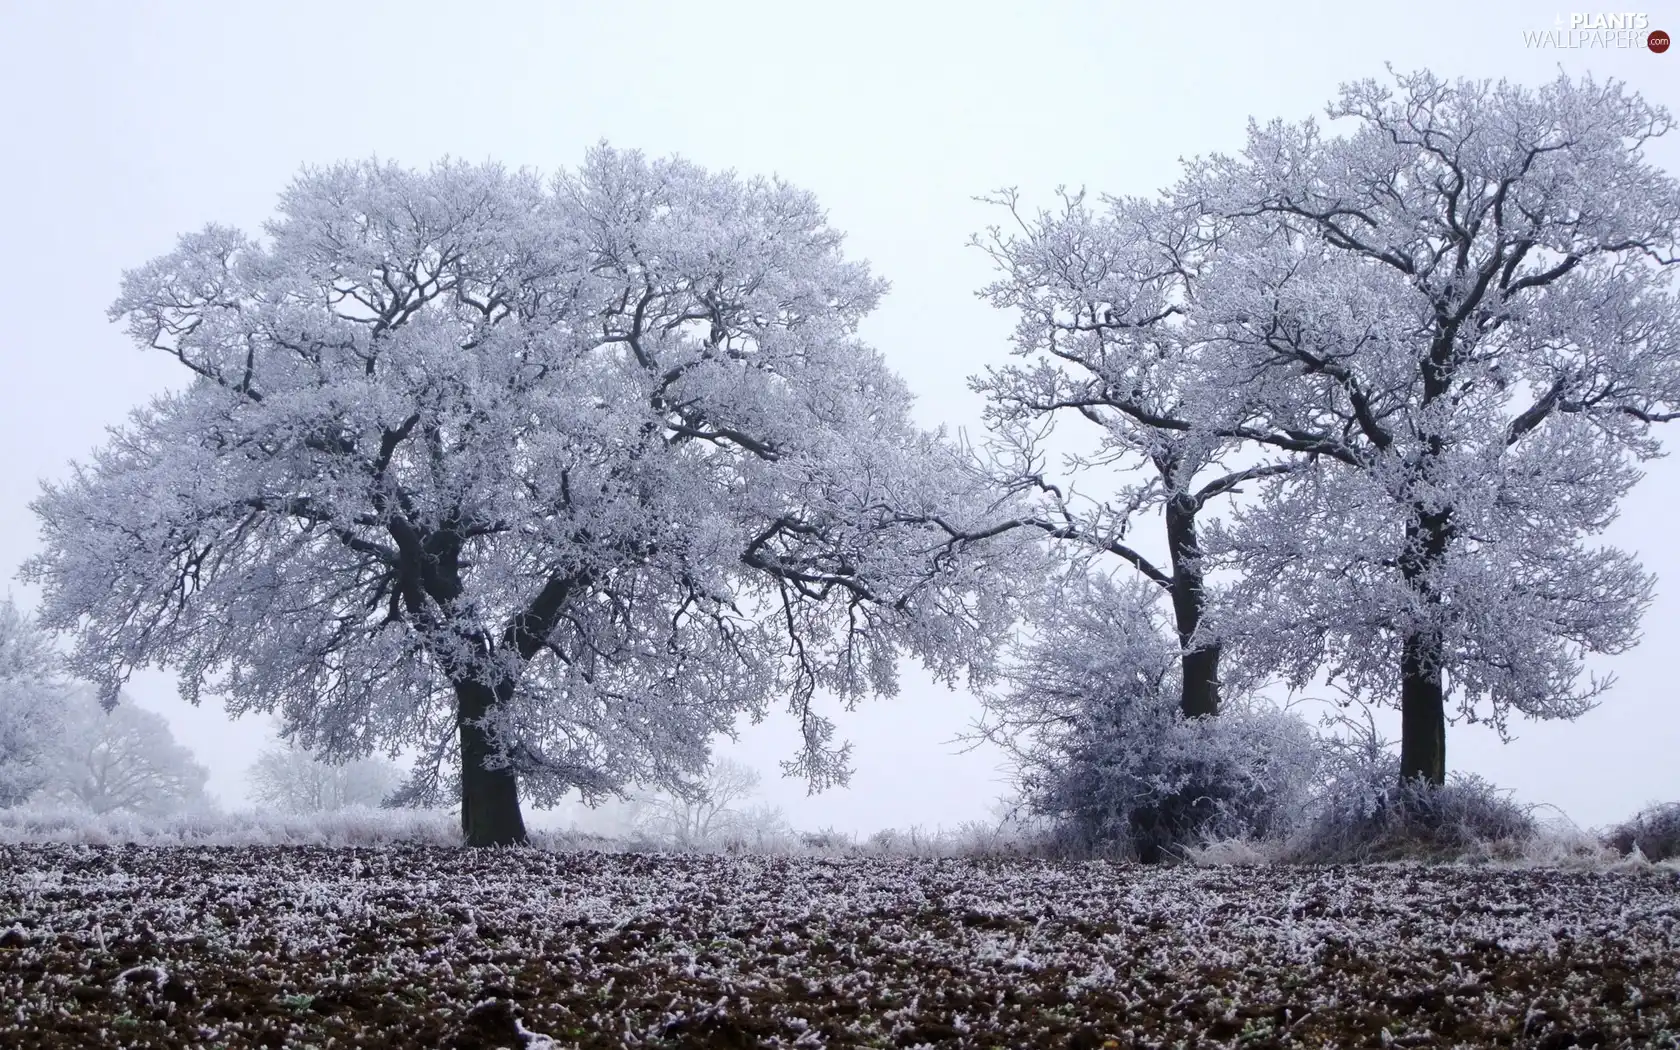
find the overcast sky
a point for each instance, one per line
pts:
(127, 124)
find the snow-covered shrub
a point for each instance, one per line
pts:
(1655, 830)
(1467, 816)
(1140, 780)
(1359, 811)
(1091, 716)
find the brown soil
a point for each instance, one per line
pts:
(414, 946)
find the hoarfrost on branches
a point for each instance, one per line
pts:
(1460, 315)
(550, 482)
(1105, 300)
(1466, 309)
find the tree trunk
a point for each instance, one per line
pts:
(1199, 666)
(489, 797)
(1423, 707)
(1423, 713)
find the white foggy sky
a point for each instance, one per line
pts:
(127, 124)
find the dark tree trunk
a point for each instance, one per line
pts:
(430, 568)
(1199, 666)
(1423, 707)
(1423, 713)
(489, 797)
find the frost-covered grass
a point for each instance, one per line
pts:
(360, 826)
(1654, 831)
(424, 946)
(363, 827)
(1552, 842)
(349, 827)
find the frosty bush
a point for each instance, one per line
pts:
(1360, 811)
(1655, 830)
(1142, 780)
(1092, 717)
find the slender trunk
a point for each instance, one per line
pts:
(489, 797)
(1199, 665)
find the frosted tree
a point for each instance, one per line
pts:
(549, 482)
(292, 780)
(717, 808)
(31, 700)
(120, 760)
(1463, 309)
(1106, 303)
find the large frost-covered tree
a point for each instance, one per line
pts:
(553, 479)
(1463, 312)
(1466, 308)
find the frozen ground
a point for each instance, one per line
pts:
(417, 945)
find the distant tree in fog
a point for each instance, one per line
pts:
(292, 780)
(122, 760)
(715, 812)
(31, 699)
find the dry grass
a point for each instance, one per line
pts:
(1653, 832)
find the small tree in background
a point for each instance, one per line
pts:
(291, 780)
(121, 760)
(713, 812)
(31, 700)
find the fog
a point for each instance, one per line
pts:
(129, 124)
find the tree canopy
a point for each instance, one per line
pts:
(1460, 314)
(553, 480)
